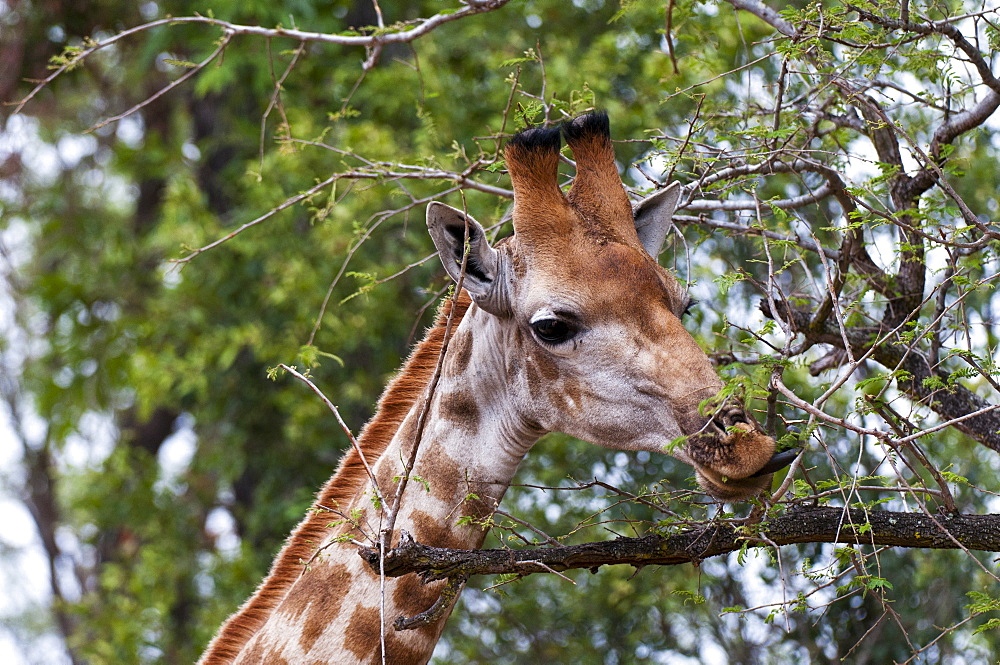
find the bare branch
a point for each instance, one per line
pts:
(223, 43)
(818, 194)
(288, 203)
(397, 34)
(740, 229)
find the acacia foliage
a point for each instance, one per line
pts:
(839, 230)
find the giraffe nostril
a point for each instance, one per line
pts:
(729, 418)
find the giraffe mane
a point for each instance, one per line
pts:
(400, 395)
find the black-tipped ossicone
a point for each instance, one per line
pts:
(543, 139)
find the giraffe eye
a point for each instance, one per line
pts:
(553, 331)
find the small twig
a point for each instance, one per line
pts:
(823, 415)
(949, 423)
(546, 537)
(967, 357)
(687, 137)
(739, 229)
(223, 43)
(330, 405)
(667, 35)
(778, 98)
(288, 203)
(867, 488)
(890, 415)
(547, 568)
(276, 96)
(789, 478)
(378, 14)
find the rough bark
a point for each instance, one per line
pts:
(802, 525)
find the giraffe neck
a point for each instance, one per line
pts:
(470, 446)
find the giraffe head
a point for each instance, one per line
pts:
(596, 345)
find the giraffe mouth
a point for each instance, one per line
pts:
(740, 489)
(777, 462)
(737, 486)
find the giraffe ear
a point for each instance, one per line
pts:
(448, 227)
(652, 217)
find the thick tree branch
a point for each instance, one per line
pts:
(766, 14)
(960, 123)
(804, 525)
(904, 303)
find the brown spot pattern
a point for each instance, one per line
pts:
(363, 640)
(571, 386)
(449, 484)
(442, 473)
(534, 378)
(461, 408)
(478, 508)
(253, 653)
(515, 365)
(413, 597)
(321, 589)
(362, 635)
(387, 475)
(434, 531)
(460, 352)
(410, 648)
(546, 365)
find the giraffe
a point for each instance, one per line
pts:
(569, 325)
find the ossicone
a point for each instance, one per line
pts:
(591, 124)
(536, 139)
(540, 209)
